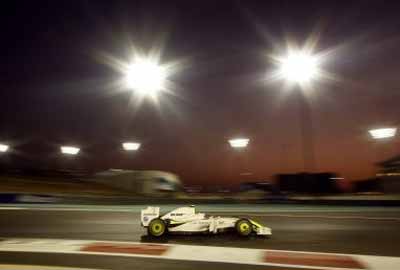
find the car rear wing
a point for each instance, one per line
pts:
(148, 214)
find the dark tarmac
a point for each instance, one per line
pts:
(368, 233)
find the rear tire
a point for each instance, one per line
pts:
(157, 228)
(243, 227)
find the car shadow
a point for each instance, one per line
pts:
(227, 238)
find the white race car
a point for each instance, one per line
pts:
(185, 220)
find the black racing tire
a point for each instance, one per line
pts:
(157, 228)
(243, 227)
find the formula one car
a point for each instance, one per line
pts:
(185, 220)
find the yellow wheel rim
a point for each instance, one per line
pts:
(157, 228)
(244, 227)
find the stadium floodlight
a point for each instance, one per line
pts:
(131, 146)
(239, 142)
(70, 150)
(4, 148)
(145, 76)
(299, 67)
(383, 133)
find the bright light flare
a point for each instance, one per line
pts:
(144, 73)
(299, 67)
(146, 76)
(4, 148)
(70, 150)
(131, 146)
(239, 142)
(382, 133)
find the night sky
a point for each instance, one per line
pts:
(56, 88)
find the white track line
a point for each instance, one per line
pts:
(192, 253)
(39, 267)
(328, 217)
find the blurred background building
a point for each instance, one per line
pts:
(389, 174)
(309, 183)
(147, 183)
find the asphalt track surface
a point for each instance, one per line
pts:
(364, 230)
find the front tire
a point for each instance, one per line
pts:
(243, 227)
(157, 228)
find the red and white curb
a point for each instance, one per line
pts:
(280, 258)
